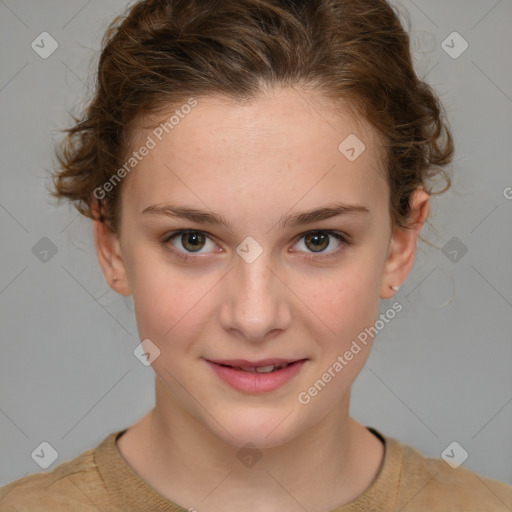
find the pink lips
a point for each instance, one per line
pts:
(243, 363)
(252, 381)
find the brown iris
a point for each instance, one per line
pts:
(318, 240)
(192, 241)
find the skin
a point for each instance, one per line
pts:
(254, 163)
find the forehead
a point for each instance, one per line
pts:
(284, 145)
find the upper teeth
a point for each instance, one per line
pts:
(264, 369)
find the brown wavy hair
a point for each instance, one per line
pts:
(161, 52)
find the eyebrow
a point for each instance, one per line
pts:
(296, 219)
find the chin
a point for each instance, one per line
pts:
(260, 426)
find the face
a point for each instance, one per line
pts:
(265, 283)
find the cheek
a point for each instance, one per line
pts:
(167, 301)
(348, 306)
(165, 307)
(346, 300)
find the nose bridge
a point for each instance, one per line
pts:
(254, 305)
(252, 268)
(254, 277)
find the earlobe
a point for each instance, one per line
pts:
(110, 258)
(403, 245)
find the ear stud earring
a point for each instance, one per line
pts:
(115, 279)
(395, 288)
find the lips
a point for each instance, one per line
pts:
(256, 377)
(261, 366)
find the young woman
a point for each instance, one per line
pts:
(258, 174)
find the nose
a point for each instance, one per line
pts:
(255, 301)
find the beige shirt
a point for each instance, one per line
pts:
(100, 479)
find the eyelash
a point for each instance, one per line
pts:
(344, 239)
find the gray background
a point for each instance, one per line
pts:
(440, 372)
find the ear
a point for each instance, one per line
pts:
(109, 254)
(402, 248)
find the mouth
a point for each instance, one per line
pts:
(256, 376)
(263, 366)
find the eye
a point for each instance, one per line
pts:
(317, 241)
(191, 241)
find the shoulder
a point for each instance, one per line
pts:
(74, 485)
(432, 484)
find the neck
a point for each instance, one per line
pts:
(324, 467)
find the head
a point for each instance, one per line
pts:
(228, 119)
